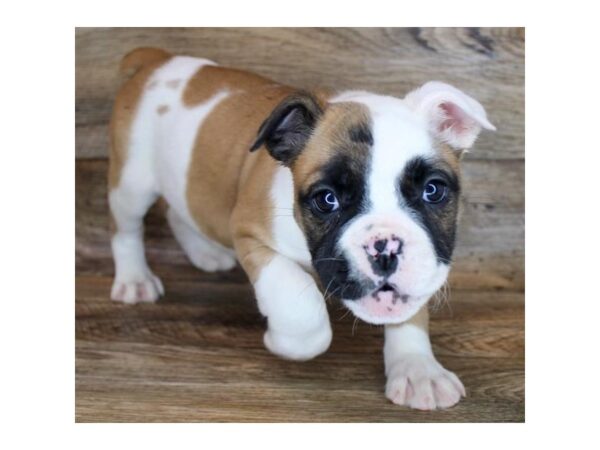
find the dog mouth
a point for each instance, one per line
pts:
(385, 287)
(390, 290)
(386, 304)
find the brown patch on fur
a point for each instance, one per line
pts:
(211, 79)
(144, 62)
(252, 218)
(162, 109)
(141, 57)
(228, 189)
(331, 136)
(451, 156)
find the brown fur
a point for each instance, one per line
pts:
(210, 79)
(453, 159)
(133, 61)
(251, 219)
(451, 156)
(331, 136)
(221, 153)
(162, 109)
(228, 187)
(139, 63)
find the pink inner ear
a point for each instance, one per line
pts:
(453, 117)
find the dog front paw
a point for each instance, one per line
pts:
(299, 347)
(135, 289)
(419, 381)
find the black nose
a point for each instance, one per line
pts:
(385, 261)
(385, 264)
(380, 245)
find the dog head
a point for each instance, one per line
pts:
(377, 185)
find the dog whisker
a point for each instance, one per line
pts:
(345, 314)
(441, 298)
(354, 324)
(326, 289)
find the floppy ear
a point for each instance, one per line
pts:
(453, 116)
(287, 129)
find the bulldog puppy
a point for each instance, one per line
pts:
(352, 195)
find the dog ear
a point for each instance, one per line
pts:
(453, 116)
(289, 126)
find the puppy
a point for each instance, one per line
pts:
(317, 194)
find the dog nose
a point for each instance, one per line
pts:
(380, 245)
(383, 254)
(386, 263)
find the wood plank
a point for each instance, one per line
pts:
(487, 63)
(490, 249)
(189, 305)
(198, 356)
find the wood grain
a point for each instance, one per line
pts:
(198, 356)
(486, 63)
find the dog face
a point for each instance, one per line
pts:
(377, 188)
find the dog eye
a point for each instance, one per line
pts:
(325, 201)
(435, 191)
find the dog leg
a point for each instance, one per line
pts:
(298, 322)
(414, 377)
(134, 281)
(203, 253)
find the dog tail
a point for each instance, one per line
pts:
(141, 57)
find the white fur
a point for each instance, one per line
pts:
(298, 322)
(201, 251)
(287, 235)
(399, 135)
(134, 281)
(414, 377)
(158, 156)
(173, 133)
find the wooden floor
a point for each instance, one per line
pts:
(197, 354)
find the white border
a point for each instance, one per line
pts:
(38, 222)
